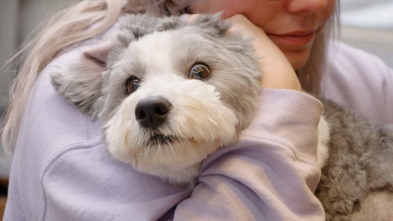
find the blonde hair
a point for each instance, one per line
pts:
(71, 26)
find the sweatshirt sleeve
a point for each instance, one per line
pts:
(270, 174)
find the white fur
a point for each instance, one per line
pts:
(323, 140)
(198, 118)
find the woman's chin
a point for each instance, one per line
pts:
(298, 59)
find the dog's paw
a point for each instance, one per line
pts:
(82, 91)
(56, 79)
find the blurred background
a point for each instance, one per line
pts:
(367, 24)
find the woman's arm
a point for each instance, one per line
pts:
(277, 71)
(270, 174)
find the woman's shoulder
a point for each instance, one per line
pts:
(55, 118)
(50, 123)
(342, 55)
(359, 81)
(51, 113)
(50, 128)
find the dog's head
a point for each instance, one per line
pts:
(169, 93)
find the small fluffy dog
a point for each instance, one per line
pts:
(169, 93)
(165, 99)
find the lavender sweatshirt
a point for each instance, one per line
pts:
(61, 170)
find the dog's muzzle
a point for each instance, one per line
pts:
(151, 112)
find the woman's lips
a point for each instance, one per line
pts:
(299, 38)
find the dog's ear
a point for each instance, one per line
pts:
(212, 24)
(81, 81)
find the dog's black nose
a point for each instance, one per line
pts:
(151, 112)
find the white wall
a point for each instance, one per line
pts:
(8, 41)
(17, 19)
(34, 12)
(368, 25)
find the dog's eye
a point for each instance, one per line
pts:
(199, 71)
(132, 84)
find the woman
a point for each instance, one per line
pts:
(61, 170)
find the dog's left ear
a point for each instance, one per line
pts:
(213, 24)
(81, 81)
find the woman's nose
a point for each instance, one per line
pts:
(314, 6)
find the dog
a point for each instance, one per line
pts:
(159, 84)
(164, 101)
(357, 173)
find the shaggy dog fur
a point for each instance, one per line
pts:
(163, 82)
(161, 91)
(359, 167)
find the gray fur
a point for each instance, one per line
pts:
(359, 164)
(360, 153)
(84, 91)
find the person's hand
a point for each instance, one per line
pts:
(277, 71)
